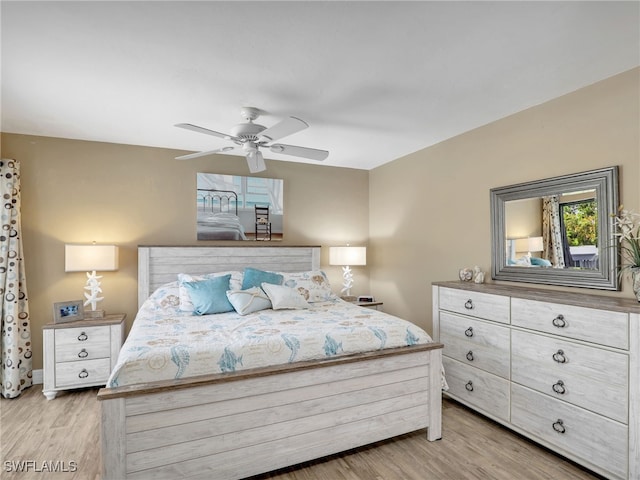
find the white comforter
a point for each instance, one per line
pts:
(165, 343)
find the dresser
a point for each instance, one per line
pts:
(80, 354)
(561, 368)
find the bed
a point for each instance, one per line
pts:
(241, 422)
(218, 215)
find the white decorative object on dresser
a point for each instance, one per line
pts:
(561, 368)
(80, 354)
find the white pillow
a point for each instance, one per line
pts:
(186, 305)
(313, 285)
(248, 301)
(284, 297)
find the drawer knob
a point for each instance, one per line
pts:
(82, 337)
(469, 332)
(468, 304)
(559, 321)
(470, 356)
(469, 386)
(559, 357)
(559, 427)
(83, 373)
(83, 353)
(558, 387)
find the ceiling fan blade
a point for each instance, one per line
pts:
(288, 126)
(256, 162)
(204, 154)
(206, 131)
(304, 152)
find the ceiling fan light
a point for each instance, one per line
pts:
(256, 162)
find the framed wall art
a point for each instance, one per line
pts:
(231, 207)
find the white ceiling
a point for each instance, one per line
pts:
(375, 80)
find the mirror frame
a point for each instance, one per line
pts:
(605, 182)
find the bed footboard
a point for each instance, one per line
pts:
(230, 427)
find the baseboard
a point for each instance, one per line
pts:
(36, 377)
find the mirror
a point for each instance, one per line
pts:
(557, 231)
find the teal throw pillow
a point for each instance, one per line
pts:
(209, 296)
(253, 277)
(540, 262)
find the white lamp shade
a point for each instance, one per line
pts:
(530, 244)
(347, 256)
(85, 258)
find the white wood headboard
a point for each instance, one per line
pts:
(158, 265)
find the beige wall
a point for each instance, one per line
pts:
(429, 211)
(75, 192)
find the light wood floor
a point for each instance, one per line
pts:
(66, 429)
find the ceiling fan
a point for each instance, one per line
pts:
(251, 137)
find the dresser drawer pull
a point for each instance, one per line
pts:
(83, 373)
(559, 357)
(469, 386)
(558, 387)
(470, 356)
(469, 332)
(559, 321)
(558, 426)
(468, 304)
(82, 337)
(83, 353)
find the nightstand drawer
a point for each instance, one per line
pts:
(475, 342)
(589, 324)
(77, 374)
(72, 353)
(586, 376)
(577, 431)
(478, 388)
(481, 305)
(72, 340)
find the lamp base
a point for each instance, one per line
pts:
(94, 314)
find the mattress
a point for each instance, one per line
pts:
(166, 343)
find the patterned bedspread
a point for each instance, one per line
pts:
(165, 343)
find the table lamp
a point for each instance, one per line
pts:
(91, 258)
(347, 257)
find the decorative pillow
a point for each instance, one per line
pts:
(253, 277)
(540, 262)
(210, 295)
(284, 297)
(185, 301)
(248, 301)
(312, 285)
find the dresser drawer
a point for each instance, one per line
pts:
(586, 376)
(88, 372)
(481, 305)
(480, 389)
(475, 342)
(579, 432)
(589, 324)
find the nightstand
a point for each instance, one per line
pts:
(81, 353)
(373, 305)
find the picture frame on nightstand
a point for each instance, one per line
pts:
(69, 311)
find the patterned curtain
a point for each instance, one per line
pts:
(15, 369)
(552, 232)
